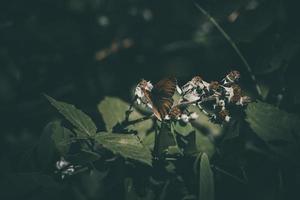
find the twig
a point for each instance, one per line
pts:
(130, 110)
(233, 45)
(230, 175)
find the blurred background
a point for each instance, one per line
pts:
(79, 51)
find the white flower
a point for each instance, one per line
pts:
(227, 118)
(138, 92)
(194, 115)
(64, 167)
(149, 105)
(62, 163)
(192, 96)
(244, 100)
(204, 85)
(67, 172)
(184, 118)
(178, 89)
(167, 117)
(229, 93)
(143, 85)
(187, 87)
(149, 86)
(222, 103)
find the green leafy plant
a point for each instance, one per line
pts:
(145, 140)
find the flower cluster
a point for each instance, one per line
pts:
(212, 98)
(219, 94)
(65, 168)
(141, 92)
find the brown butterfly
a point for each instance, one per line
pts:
(158, 97)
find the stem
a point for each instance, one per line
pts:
(229, 174)
(156, 142)
(233, 45)
(129, 111)
(139, 120)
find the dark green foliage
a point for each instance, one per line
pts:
(279, 129)
(128, 146)
(84, 126)
(206, 180)
(92, 53)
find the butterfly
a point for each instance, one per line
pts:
(158, 96)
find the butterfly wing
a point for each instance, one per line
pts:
(161, 97)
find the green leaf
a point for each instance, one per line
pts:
(165, 139)
(272, 124)
(126, 145)
(82, 122)
(62, 137)
(232, 129)
(173, 151)
(183, 129)
(206, 180)
(113, 111)
(198, 143)
(149, 140)
(83, 157)
(203, 123)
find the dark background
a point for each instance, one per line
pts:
(50, 46)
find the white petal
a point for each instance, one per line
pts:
(149, 105)
(227, 118)
(185, 118)
(178, 89)
(194, 115)
(149, 86)
(138, 92)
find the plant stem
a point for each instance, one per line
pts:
(230, 175)
(233, 45)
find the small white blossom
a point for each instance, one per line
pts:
(149, 86)
(192, 96)
(187, 87)
(143, 85)
(194, 115)
(227, 118)
(149, 105)
(204, 85)
(167, 117)
(229, 93)
(68, 172)
(138, 92)
(244, 100)
(178, 89)
(65, 168)
(61, 163)
(184, 118)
